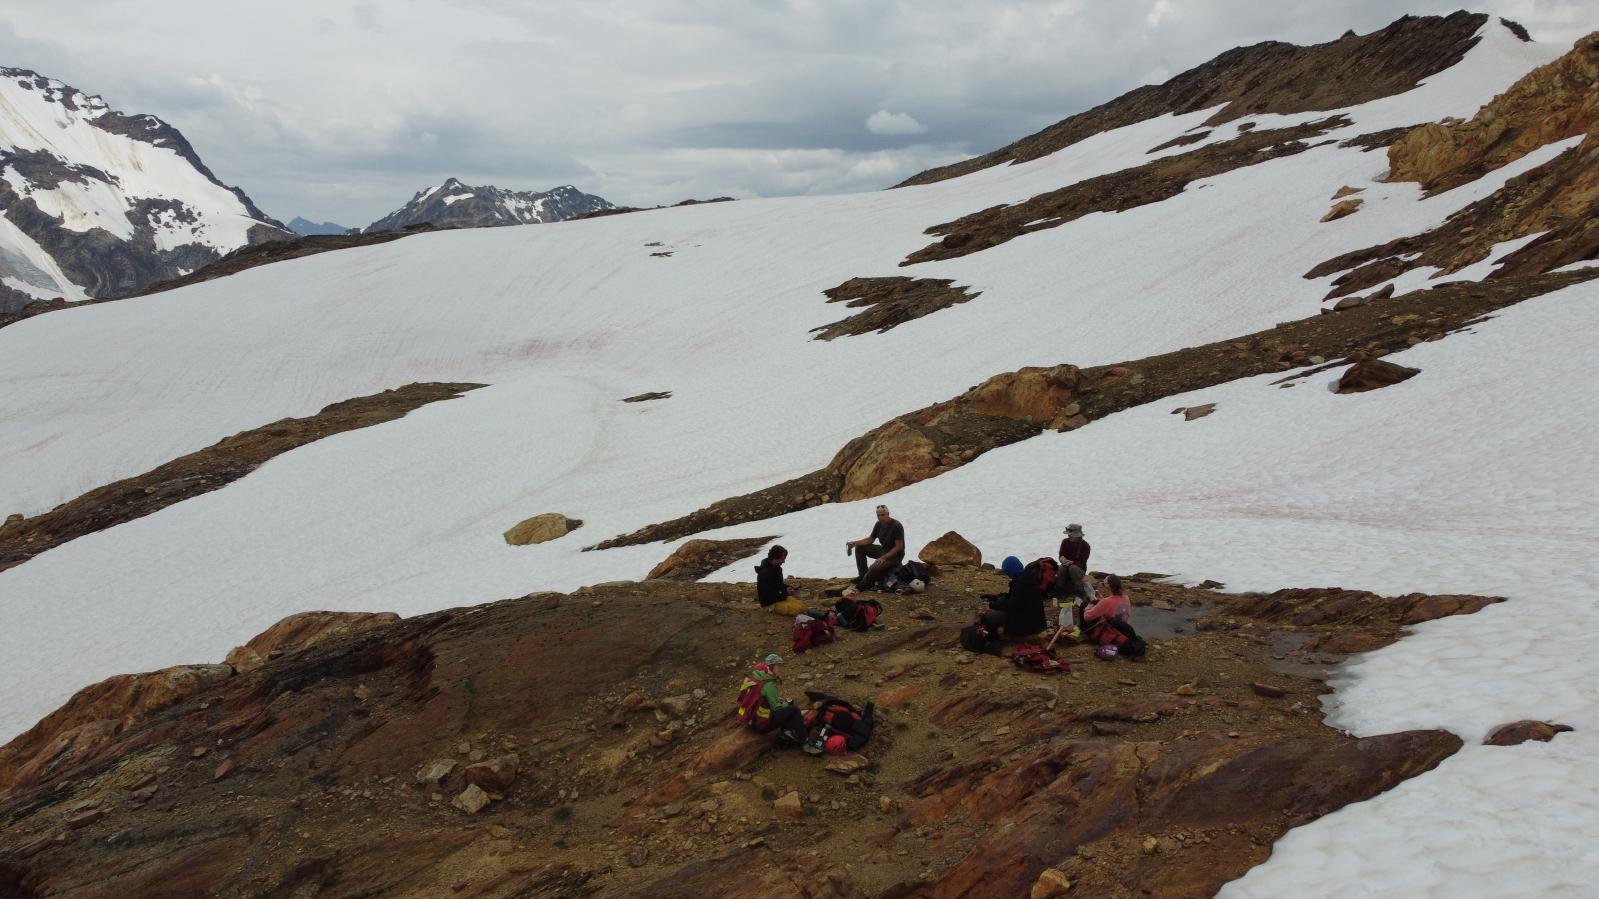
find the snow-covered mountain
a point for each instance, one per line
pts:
(1232, 242)
(303, 226)
(456, 205)
(97, 202)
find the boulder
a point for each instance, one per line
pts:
(1342, 208)
(1519, 732)
(1373, 374)
(1192, 412)
(299, 632)
(951, 551)
(541, 529)
(495, 775)
(435, 771)
(1051, 883)
(472, 800)
(789, 806)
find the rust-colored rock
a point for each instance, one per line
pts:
(1373, 374)
(697, 558)
(95, 716)
(1519, 732)
(1550, 103)
(495, 775)
(1066, 795)
(951, 551)
(301, 631)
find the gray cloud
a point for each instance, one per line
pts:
(340, 110)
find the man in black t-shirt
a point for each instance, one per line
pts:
(889, 535)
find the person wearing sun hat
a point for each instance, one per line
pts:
(1074, 548)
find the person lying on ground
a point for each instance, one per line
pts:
(889, 535)
(773, 592)
(1019, 611)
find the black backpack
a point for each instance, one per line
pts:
(858, 614)
(976, 637)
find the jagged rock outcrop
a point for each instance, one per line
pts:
(697, 558)
(456, 205)
(1548, 104)
(889, 302)
(135, 206)
(1559, 199)
(1270, 77)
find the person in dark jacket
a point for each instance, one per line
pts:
(1018, 612)
(1074, 548)
(771, 590)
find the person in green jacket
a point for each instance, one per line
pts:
(771, 712)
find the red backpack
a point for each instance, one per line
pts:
(813, 632)
(858, 614)
(1032, 657)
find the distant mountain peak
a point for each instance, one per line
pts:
(456, 204)
(102, 202)
(304, 227)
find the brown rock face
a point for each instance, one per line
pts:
(1373, 374)
(1559, 199)
(1270, 77)
(541, 529)
(94, 717)
(932, 440)
(698, 558)
(495, 775)
(1064, 796)
(1521, 731)
(951, 551)
(298, 632)
(1548, 104)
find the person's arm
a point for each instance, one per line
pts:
(899, 541)
(1093, 613)
(864, 541)
(769, 693)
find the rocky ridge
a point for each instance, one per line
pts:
(453, 754)
(94, 223)
(456, 205)
(1270, 77)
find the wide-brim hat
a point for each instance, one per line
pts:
(1073, 529)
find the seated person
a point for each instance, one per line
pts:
(1109, 622)
(762, 709)
(889, 551)
(1018, 612)
(773, 592)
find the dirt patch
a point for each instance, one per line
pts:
(889, 302)
(206, 470)
(942, 437)
(1270, 77)
(1151, 182)
(302, 776)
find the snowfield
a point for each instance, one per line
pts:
(1474, 476)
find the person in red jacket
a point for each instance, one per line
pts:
(1109, 622)
(1074, 548)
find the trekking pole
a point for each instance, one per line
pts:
(1059, 629)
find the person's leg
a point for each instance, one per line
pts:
(994, 620)
(789, 722)
(862, 553)
(886, 562)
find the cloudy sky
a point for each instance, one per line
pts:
(340, 110)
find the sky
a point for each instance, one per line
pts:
(340, 110)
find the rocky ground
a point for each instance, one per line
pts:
(572, 745)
